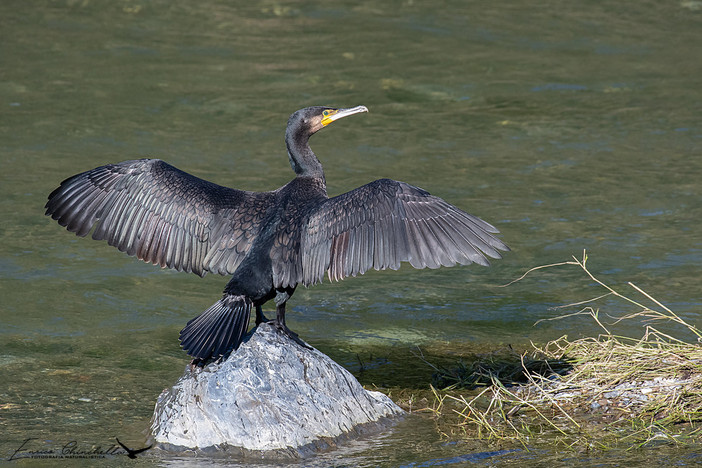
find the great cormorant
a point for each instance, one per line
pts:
(269, 241)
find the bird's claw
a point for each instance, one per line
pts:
(282, 328)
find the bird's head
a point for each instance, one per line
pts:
(312, 119)
(305, 123)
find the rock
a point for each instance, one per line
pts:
(270, 397)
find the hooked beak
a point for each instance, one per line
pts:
(330, 115)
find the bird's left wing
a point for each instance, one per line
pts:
(386, 222)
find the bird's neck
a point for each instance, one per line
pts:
(302, 159)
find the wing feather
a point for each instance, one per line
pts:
(384, 223)
(162, 215)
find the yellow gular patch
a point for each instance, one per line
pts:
(327, 116)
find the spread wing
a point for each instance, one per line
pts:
(162, 215)
(386, 222)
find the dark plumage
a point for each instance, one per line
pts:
(269, 241)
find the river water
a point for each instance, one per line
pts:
(568, 125)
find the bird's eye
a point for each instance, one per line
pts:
(325, 113)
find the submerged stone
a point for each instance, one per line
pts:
(271, 396)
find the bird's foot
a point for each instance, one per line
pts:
(282, 328)
(200, 363)
(197, 362)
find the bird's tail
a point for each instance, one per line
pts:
(217, 330)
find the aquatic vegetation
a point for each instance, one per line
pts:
(589, 393)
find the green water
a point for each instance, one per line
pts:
(568, 125)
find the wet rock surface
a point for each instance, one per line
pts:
(272, 396)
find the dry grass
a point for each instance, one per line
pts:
(589, 393)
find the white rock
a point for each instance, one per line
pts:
(271, 395)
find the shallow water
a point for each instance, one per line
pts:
(568, 126)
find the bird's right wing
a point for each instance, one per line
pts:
(162, 215)
(386, 222)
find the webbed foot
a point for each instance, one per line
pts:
(282, 328)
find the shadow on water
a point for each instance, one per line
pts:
(436, 365)
(507, 367)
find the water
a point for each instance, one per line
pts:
(568, 126)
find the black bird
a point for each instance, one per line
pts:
(269, 241)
